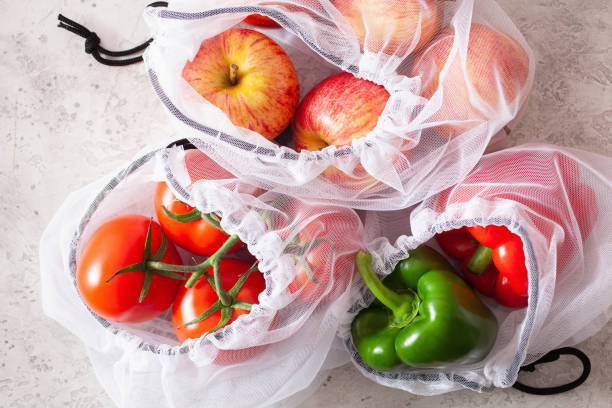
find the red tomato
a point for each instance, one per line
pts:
(198, 236)
(340, 234)
(319, 260)
(324, 239)
(114, 245)
(191, 303)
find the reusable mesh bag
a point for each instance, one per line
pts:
(559, 201)
(457, 72)
(274, 355)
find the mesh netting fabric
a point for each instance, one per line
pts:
(457, 72)
(559, 201)
(277, 351)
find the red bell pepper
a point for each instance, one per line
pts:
(546, 186)
(493, 261)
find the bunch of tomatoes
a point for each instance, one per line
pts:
(130, 270)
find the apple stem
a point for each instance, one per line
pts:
(233, 74)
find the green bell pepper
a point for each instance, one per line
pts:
(425, 315)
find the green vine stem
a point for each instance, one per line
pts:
(226, 310)
(200, 269)
(195, 215)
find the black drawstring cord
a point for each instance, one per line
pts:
(553, 356)
(92, 42)
(185, 143)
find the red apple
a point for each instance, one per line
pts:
(339, 109)
(261, 21)
(497, 68)
(249, 77)
(393, 27)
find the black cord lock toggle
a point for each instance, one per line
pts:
(548, 358)
(91, 42)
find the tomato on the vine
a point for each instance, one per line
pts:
(314, 273)
(329, 240)
(116, 244)
(192, 302)
(199, 236)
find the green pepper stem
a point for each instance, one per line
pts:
(481, 260)
(404, 306)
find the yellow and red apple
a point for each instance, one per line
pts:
(497, 68)
(338, 110)
(393, 27)
(249, 77)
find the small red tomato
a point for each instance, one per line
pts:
(197, 236)
(314, 274)
(192, 302)
(334, 235)
(116, 244)
(323, 240)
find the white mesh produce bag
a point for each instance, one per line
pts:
(457, 72)
(559, 201)
(284, 344)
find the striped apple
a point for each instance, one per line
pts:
(249, 77)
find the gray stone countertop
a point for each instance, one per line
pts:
(67, 121)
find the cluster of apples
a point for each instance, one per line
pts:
(252, 79)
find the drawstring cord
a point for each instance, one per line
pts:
(554, 356)
(92, 42)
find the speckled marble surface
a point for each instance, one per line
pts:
(65, 121)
